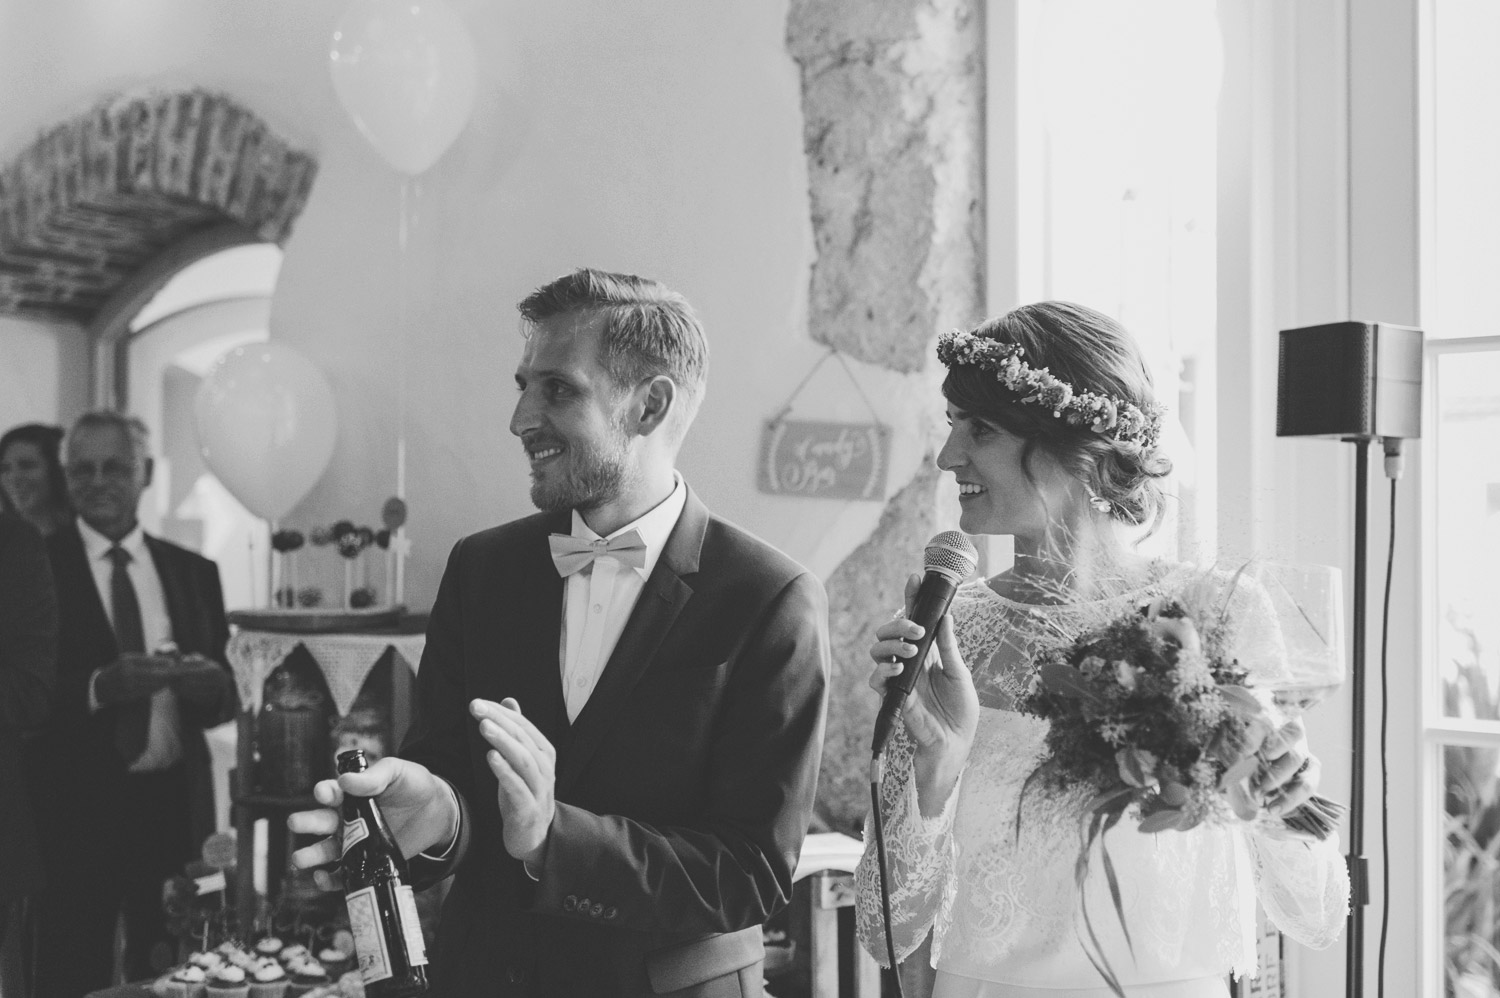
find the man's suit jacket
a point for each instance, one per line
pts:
(684, 786)
(79, 773)
(28, 661)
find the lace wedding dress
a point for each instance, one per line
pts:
(993, 875)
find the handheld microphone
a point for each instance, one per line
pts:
(949, 559)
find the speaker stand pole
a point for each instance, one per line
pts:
(1359, 866)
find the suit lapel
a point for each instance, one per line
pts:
(76, 586)
(661, 601)
(527, 619)
(173, 589)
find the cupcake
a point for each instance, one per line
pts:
(335, 961)
(351, 985)
(242, 959)
(206, 961)
(307, 975)
(269, 946)
(229, 981)
(268, 980)
(294, 953)
(185, 982)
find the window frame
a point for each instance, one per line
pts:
(1436, 730)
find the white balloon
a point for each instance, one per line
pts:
(266, 426)
(405, 72)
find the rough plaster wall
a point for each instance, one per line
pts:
(865, 590)
(891, 97)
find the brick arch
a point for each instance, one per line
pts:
(97, 199)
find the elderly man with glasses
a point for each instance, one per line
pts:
(124, 793)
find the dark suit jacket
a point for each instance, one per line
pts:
(684, 787)
(28, 660)
(79, 773)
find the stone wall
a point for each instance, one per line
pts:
(892, 98)
(97, 197)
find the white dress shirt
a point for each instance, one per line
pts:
(598, 600)
(163, 737)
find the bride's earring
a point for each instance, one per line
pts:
(1097, 501)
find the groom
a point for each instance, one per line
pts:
(622, 697)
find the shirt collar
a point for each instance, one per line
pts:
(97, 545)
(655, 526)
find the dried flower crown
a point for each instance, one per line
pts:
(1111, 417)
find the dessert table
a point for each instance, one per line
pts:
(346, 648)
(822, 896)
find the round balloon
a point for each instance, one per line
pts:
(266, 426)
(405, 72)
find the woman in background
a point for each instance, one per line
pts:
(32, 485)
(978, 856)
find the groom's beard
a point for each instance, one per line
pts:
(596, 475)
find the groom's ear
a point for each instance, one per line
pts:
(655, 405)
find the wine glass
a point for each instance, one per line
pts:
(1308, 605)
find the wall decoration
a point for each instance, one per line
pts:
(824, 460)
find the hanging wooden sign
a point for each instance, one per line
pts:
(824, 460)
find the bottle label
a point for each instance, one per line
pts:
(355, 832)
(369, 940)
(411, 926)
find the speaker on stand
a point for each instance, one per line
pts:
(1358, 382)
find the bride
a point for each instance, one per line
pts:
(1054, 441)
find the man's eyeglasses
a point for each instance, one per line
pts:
(111, 470)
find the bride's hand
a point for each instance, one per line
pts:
(1289, 773)
(942, 711)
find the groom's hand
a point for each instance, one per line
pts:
(420, 809)
(525, 766)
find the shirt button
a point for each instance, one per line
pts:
(610, 913)
(598, 608)
(581, 682)
(570, 903)
(597, 909)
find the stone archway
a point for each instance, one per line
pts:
(90, 206)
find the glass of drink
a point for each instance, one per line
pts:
(1308, 605)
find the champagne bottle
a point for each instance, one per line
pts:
(382, 905)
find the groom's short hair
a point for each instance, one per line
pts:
(648, 328)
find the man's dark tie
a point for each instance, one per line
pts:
(135, 715)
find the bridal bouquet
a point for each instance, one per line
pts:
(1152, 710)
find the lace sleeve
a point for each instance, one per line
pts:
(920, 852)
(1302, 885)
(1258, 641)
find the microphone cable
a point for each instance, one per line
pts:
(877, 767)
(1393, 468)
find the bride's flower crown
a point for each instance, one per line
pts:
(1111, 417)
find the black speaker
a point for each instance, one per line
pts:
(1351, 380)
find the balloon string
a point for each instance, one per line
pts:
(411, 194)
(274, 575)
(402, 236)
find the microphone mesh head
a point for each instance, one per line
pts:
(952, 554)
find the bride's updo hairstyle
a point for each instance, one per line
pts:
(1091, 354)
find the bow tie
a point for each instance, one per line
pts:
(574, 554)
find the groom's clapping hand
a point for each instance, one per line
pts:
(525, 767)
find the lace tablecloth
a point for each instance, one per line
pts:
(344, 658)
